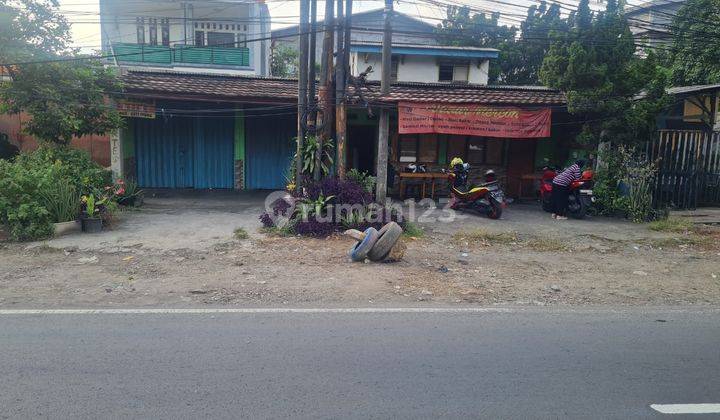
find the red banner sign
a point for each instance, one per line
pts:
(473, 120)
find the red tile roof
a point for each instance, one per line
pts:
(267, 89)
(211, 86)
(462, 93)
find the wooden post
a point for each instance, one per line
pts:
(312, 116)
(325, 119)
(384, 126)
(302, 86)
(340, 117)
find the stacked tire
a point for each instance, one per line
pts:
(376, 245)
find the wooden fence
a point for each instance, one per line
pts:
(688, 168)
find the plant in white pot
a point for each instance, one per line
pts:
(63, 204)
(90, 219)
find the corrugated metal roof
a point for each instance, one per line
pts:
(462, 93)
(267, 89)
(234, 88)
(691, 89)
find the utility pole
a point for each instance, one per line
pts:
(384, 123)
(310, 118)
(340, 116)
(302, 87)
(325, 118)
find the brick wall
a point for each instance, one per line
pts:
(97, 146)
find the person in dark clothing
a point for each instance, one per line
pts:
(561, 188)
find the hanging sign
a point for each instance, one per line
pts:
(473, 120)
(136, 109)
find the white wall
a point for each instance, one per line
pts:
(479, 71)
(416, 68)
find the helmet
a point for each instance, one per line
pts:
(490, 176)
(456, 161)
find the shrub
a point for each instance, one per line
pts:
(266, 220)
(74, 165)
(331, 205)
(36, 189)
(343, 191)
(313, 227)
(366, 181)
(21, 205)
(623, 187)
(61, 200)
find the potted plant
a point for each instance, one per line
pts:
(127, 193)
(63, 203)
(91, 220)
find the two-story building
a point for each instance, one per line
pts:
(228, 37)
(651, 21)
(196, 99)
(417, 53)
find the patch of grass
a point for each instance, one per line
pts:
(683, 241)
(412, 230)
(240, 234)
(546, 245)
(671, 224)
(481, 236)
(276, 231)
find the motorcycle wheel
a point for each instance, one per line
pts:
(547, 204)
(495, 210)
(580, 211)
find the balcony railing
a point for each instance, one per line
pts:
(182, 54)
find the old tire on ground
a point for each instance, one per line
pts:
(360, 251)
(387, 236)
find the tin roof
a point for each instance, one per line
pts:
(195, 86)
(203, 86)
(462, 93)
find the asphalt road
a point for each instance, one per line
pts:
(519, 364)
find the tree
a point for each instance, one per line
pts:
(695, 49)
(64, 97)
(595, 64)
(520, 57)
(521, 60)
(461, 28)
(284, 61)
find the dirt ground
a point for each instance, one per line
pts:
(180, 251)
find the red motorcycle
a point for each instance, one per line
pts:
(580, 198)
(487, 198)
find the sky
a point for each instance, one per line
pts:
(84, 14)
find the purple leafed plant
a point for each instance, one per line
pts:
(312, 227)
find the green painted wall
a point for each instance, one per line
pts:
(240, 136)
(127, 138)
(442, 149)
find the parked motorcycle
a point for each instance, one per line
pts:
(580, 198)
(487, 198)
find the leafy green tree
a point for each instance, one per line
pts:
(596, 65)
(521, 50)
(64, 97)
(520, 60)
(284, 61)
(461, 28)
(695, 49)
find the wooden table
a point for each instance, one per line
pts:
(424, 177)
(528, 177)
